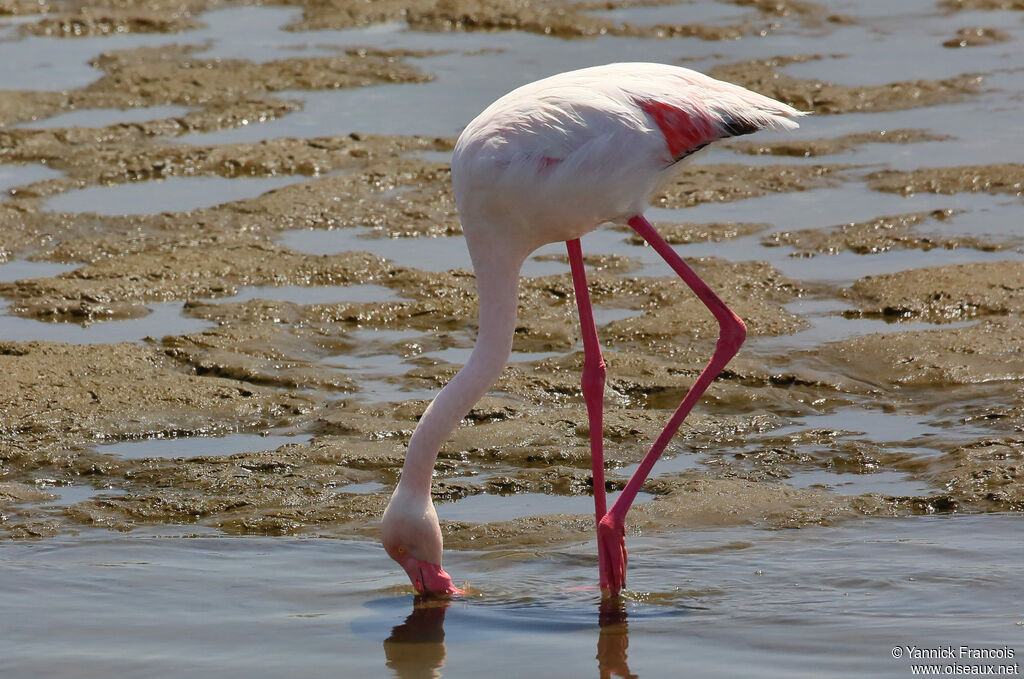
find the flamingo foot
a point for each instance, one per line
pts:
(611, 554)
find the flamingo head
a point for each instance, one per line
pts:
(412, 537)
(427, 578)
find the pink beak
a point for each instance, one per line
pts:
(428, 578)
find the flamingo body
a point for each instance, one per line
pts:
(552, 161)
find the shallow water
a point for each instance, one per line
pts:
(995, 215)
(375, 363)
(73, 494)
(101, 117)
(984, 217)
(486, 508)
(826, 323)
(23, 268)
(309, 294)
(164, 318)
(12, 176)
(375, 390)
(965, 143)
(251, 33)
(459, 355)
(814, 602)
(688, 12)
(667, 466)
(461, 89)
(200, 445)
(174, 194)
(361, 488)
(883, 483)
(427, 254)
(874, 425)
(818, 601)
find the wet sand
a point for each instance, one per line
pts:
(165, 299)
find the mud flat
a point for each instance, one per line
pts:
(276, 356)
(285, 354)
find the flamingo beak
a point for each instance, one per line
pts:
(428, 578)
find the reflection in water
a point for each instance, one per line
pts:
(613, 641)
(415, 649)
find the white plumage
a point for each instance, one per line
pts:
(559, 156)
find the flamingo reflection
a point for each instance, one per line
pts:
(613, 641)
(416, 649)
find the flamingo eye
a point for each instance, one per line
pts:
(401, 550)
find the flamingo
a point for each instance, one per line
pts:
(551, 161)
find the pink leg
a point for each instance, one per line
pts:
(593, 385)
(611, 529)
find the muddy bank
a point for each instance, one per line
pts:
(118, 287)
(681, 234)
(694, 503)
(363, 170)
(968, 5)
(987, 475)
(24, 7)
(562, 20)
(977, 37)
(351, 378)
(728, 181)
(65, 395)
(944, 293)
(272, 343)
(807, 148)
(1002, 178)
(821, 97)
(877, 235)
(216, 250)
(149, 76)
(93, 22)
(981, 352)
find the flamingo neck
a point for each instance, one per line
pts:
(497, 278)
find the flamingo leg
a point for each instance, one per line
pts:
(593, 389)
(732, 332)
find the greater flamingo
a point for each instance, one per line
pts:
(548, 162)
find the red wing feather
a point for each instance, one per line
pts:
(683, 131)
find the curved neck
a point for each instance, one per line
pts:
(497, 279)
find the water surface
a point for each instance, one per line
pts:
(814, 602)
(174, 194)
(102, 117)
(12, 176)
(310, 294)
(164, 318)
(196, 446)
